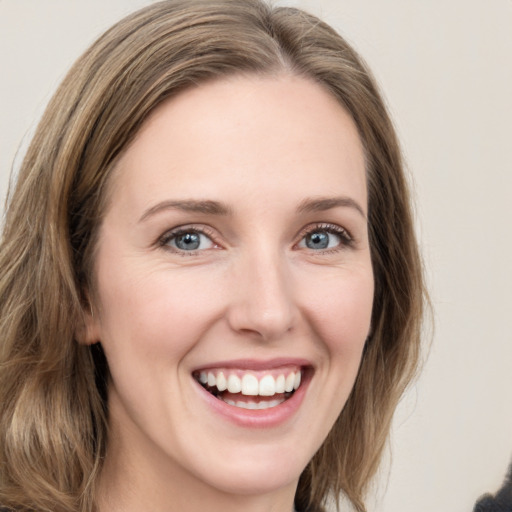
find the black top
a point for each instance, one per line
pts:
(501, 501)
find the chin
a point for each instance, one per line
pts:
(255, 477)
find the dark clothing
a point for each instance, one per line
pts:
(501, 501)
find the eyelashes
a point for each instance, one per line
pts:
(319, 238)
(325, 238)
(188, 240)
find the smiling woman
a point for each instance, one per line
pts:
(211, 290)
(232, 296)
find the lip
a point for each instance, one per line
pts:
(256, 365)
(262, 418)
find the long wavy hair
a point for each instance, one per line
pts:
(53, 412)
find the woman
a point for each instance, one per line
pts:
(211, 290)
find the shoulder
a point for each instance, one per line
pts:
(486, 504)
(489, 503)
(501, 501)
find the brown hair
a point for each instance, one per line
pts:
(53, 427)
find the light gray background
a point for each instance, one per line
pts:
(446, 69)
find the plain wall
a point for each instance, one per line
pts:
(446, 71)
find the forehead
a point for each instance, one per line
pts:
(250, 132)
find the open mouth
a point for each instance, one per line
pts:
(249, 389)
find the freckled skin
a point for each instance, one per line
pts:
(253, 286)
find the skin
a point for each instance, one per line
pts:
(263, 147)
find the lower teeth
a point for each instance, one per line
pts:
(267, 404)
(263, 404)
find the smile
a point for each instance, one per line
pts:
(249, 389)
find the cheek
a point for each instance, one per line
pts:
(148, 313)
(340, 310)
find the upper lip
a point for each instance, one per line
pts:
(256, 364)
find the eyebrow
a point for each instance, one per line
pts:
(327, 203)
(209, 207)
(206, 207)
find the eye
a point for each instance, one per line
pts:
(321, 240)
(187, 240)
(325, 237)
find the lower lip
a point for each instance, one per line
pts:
(254, 418)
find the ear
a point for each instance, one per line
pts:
(88, 333)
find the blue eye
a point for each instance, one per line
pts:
(188, 241)
(323, 238)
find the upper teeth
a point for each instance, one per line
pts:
(251, 384)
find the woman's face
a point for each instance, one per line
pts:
(233, 253)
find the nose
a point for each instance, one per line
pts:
(262, 300)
